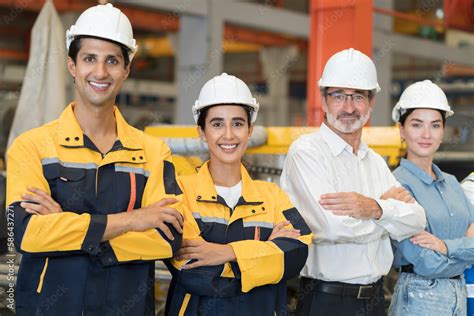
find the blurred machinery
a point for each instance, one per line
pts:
(265, 160)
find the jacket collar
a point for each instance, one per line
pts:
(207, 191)
(337, 145)
(70, 133)
(420, 173)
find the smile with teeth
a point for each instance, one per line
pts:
(228, 146)
(99, 86)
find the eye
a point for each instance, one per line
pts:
(416, 125)
(436, 125)
(339, 96)
(238, 124)
(112, 61)
(216, 124)
(358, 97)
(89, 59)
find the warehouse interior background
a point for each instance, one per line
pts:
(278, 47)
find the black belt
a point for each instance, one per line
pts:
(360, 291)
(409, 269)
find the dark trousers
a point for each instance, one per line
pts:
(313, 301)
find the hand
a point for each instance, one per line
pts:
(430, 241)
(280, 231)
(45, 203)
(399, 194)
(156, 215)
(351, 204)
(206, 253)
(470, 231)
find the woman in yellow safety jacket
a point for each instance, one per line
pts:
(242, 238)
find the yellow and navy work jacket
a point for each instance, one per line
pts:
(255, 283)
(65, 268)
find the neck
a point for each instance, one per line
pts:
(425, 163)
(352, 139)
(96, 121)
(226, 175)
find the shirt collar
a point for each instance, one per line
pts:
(420, 173)
(207, 192)
(70, 133)
(337, 145)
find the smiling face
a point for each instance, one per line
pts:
(226, 133)
(99, 72)
(347, 115)
(423, 131)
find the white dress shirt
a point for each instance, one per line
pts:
(346, 249)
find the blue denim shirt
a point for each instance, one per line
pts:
(448, 212)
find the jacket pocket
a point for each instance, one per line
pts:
(67, 185)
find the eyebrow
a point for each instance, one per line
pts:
(238, 118)
(86, 54)
(418, 120)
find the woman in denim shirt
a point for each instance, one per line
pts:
(431, 263)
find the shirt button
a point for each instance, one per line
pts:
(451, 214)
(133, 158)
(199, 197)
(91, 248)
(253, 211)
(67, 139)
(76, 139)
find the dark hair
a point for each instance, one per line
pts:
(203, 114)
(75, 47)
(409, 111)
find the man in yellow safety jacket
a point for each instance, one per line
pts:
(93, 201)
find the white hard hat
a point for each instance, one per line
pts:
(104, 21)
(225, 89)
(351, 69)
(422, 94)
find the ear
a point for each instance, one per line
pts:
(250, 131)
(372, 103)
(402, 131)
(202, 136)
(324, 104)
(71, 66)
(127, 71)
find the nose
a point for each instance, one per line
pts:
(100, 70)
(426, 132)
(228, 132)
(349, 104)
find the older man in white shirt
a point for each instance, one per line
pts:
(348, 196)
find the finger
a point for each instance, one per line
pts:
(191, 243)
(422, 239)
(48, 198)
(166, 231)
(193, 265)
(166, 201)
(343, 213)
(38, 199)
(288, 235)
(280, 226)
(341, 207)
(39, 209)
(38, 191)
(175, 213)
(29, 210)
(173, 221)
(337, 195)
(333, 201)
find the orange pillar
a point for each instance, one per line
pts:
(334, 25)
